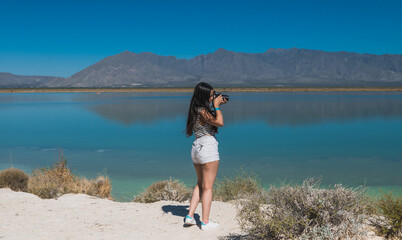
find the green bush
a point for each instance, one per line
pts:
(305, 211)
(167, 190)
(239, 187)
(14, 179)
(388, 218)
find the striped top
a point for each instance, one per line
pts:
(202, 130)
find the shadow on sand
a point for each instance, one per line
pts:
(181, 211)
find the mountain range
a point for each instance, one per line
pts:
(223, 68)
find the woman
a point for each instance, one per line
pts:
(204, 123)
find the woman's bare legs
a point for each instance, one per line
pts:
(209, 171)
(195, 199)
(206, 175)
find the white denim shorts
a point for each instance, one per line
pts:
(205, 150)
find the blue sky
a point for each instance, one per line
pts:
(60, 38)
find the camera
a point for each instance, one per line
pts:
(224, 97)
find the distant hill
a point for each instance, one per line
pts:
(18, 81)
(275, 67)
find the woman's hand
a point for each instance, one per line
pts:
(218, 101)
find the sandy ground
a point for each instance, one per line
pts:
(79, 216)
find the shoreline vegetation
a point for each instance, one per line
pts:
(290, 211)
(221, 89)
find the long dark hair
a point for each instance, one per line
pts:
(201, 95)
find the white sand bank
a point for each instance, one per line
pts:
(79, 216)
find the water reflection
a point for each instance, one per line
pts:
(37, 124)
(274, 108)
(143, 111)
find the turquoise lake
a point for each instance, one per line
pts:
(353, 138)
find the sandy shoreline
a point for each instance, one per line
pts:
(228, 89)
(78, 216)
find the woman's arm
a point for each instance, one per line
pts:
(208, 118)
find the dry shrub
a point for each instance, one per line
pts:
(305, 212)
(14, 178)
(167, 190)
(239, 187)
(388, 218)
(100, 187)
(58, 180)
